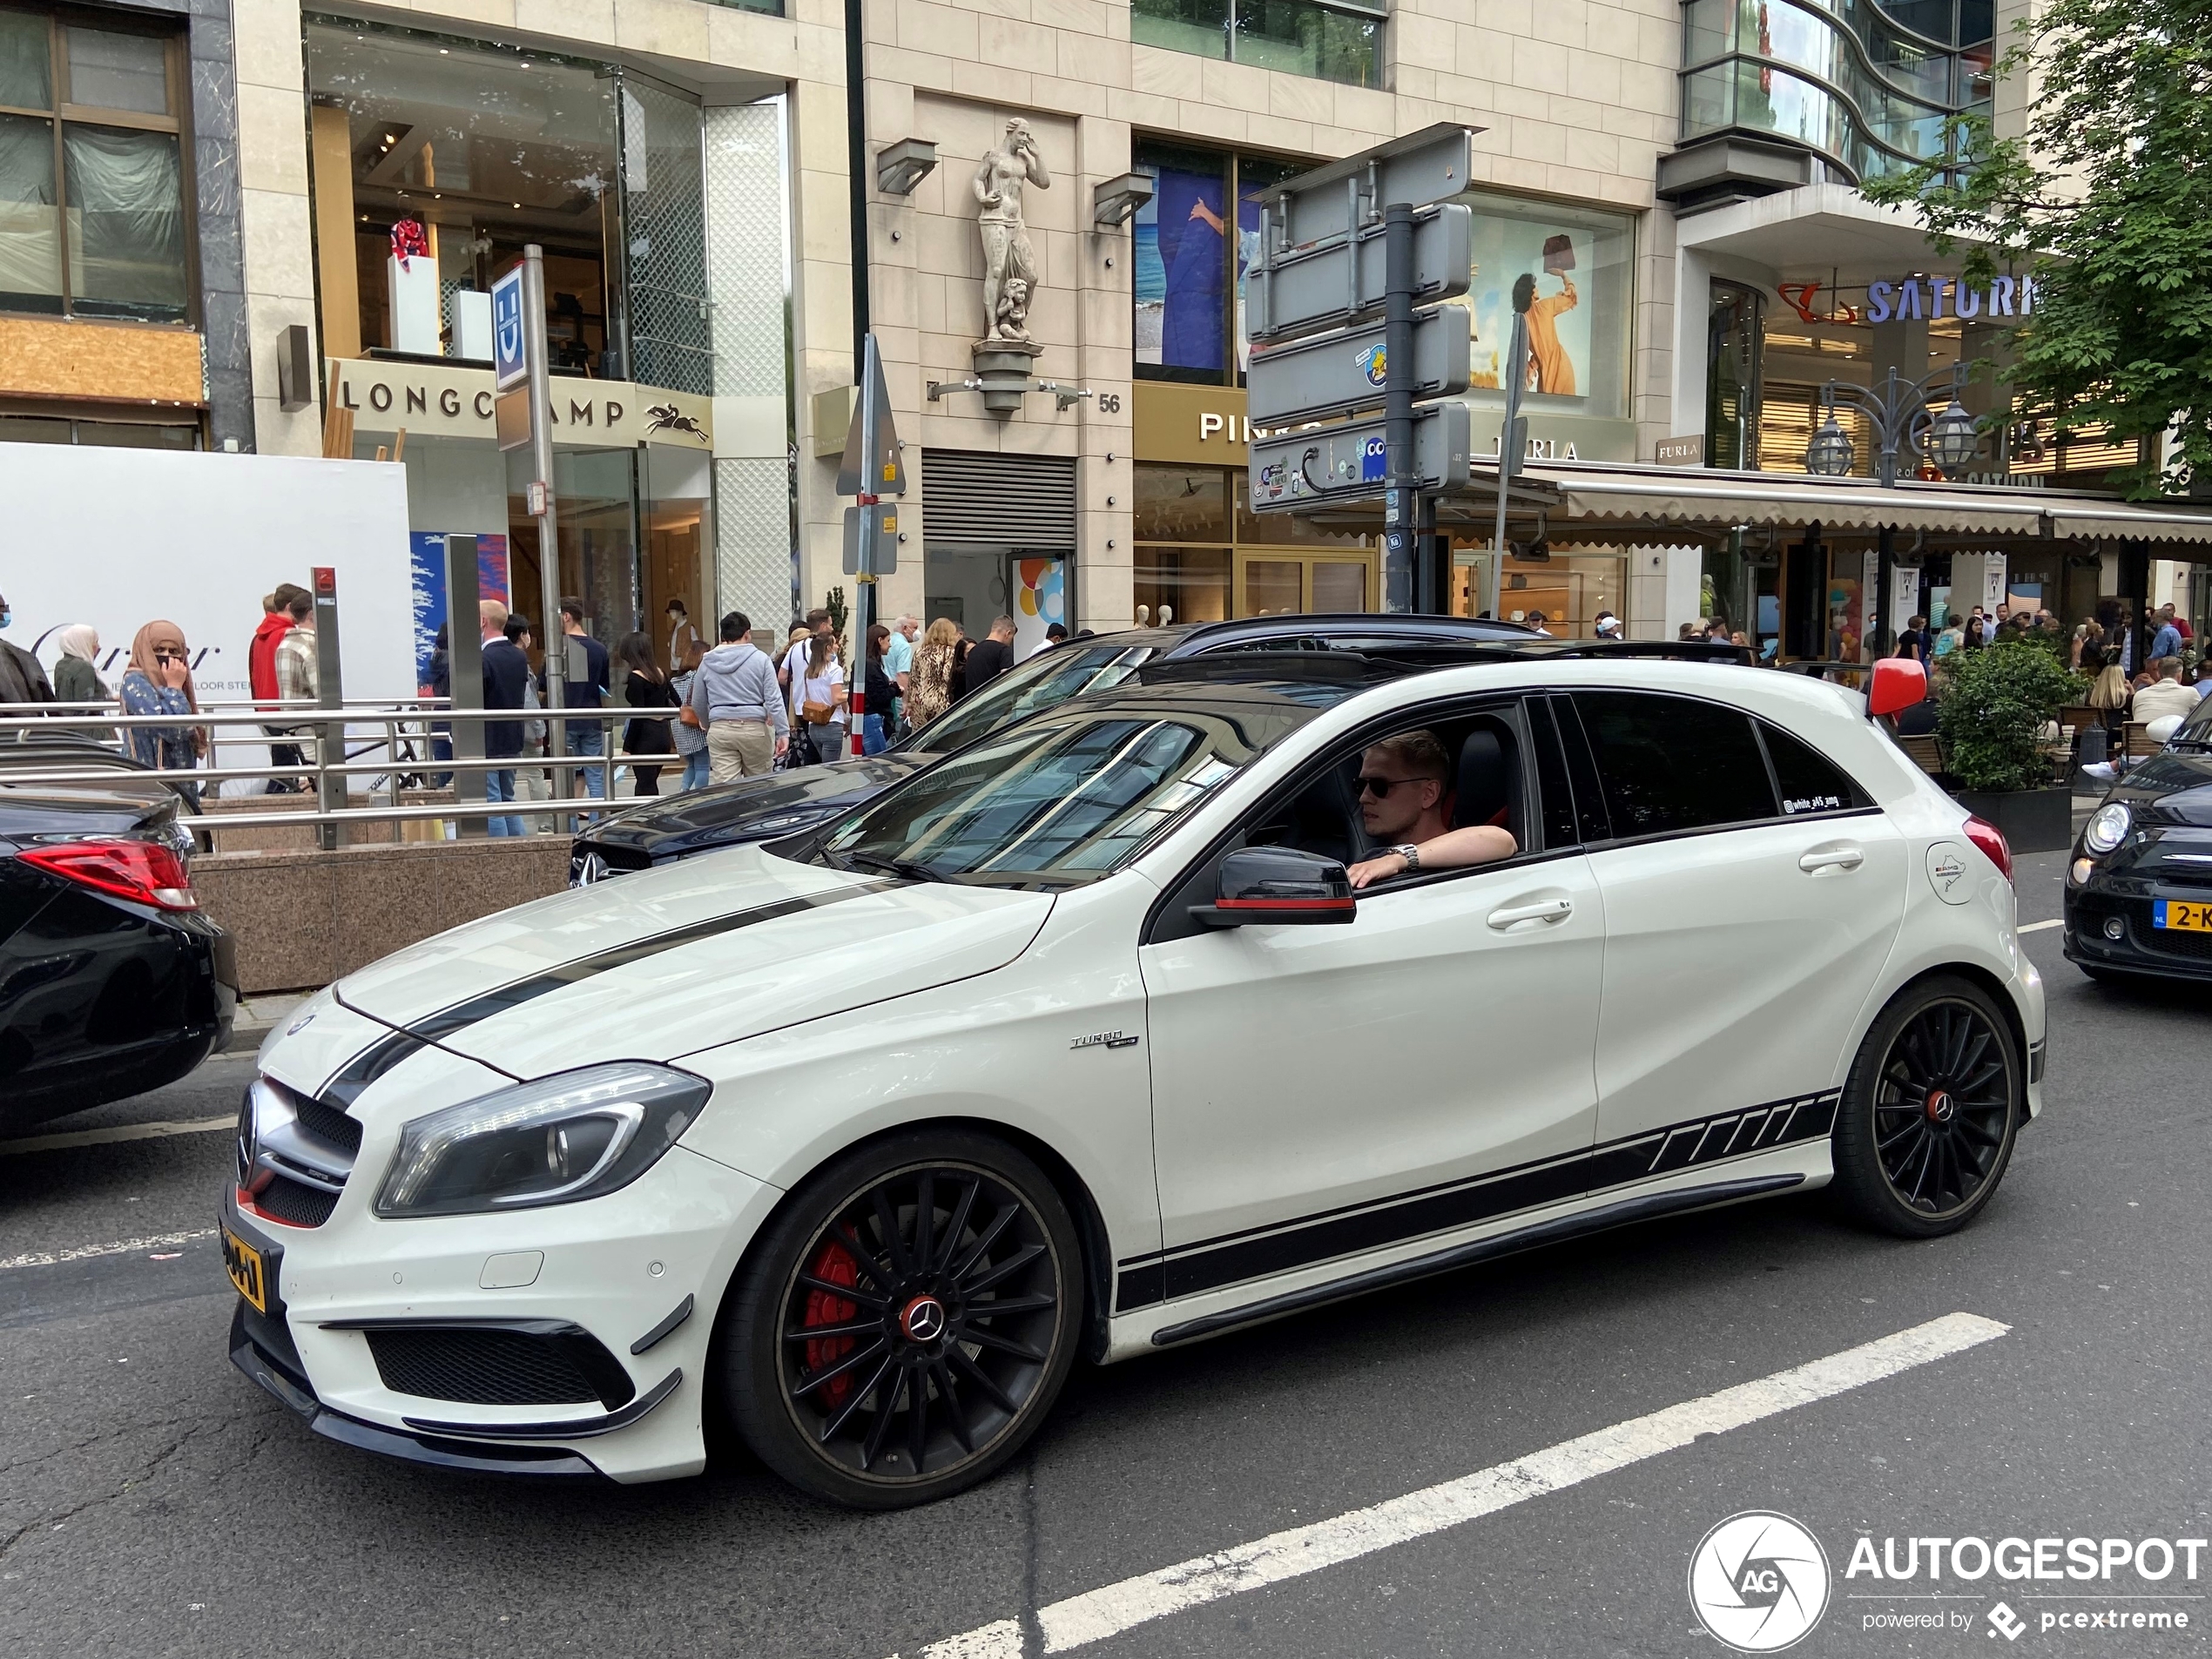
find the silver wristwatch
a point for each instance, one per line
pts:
(1411, 854)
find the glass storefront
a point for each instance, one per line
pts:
(435, 160)
(1204, 555)
(1564, 593)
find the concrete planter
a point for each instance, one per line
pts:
(2031, 821)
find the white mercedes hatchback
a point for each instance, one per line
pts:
(1081, 1042)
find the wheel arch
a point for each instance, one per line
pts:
(1974, 973)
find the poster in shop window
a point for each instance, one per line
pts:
(426, 560)
(1559, 258)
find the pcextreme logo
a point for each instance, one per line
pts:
(1759, 1581)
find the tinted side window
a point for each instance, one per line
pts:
(1668, 764)
(1551, 777)
(1809, 782)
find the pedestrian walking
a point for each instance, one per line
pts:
(735, 698)
(990, 657)
(77, 677)
(880, 690)
(583, 654)
(690, 740)
(819, 697)
(647, 687)
(930, 688)
(23, 679)
(960, 654)
(1912, 643)
(298, 681)
(899, 662)
(159, 681)
(506, 684)
(261, 679)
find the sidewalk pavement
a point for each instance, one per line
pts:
(259, 1015)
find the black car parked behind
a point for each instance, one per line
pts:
(2138, 886)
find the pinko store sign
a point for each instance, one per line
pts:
(1919, 298)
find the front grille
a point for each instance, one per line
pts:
(591, 861)
(327, 1123)
(285, 1199)
(2169, 942)
(485, 1366)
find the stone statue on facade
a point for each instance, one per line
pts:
(1009, 262)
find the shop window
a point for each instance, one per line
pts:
(1191, 264)
(1205, 555)
(1583, 262)
(436, 159)
(114, 434)
(92, 181)
(1332, 42)
(1732, 360)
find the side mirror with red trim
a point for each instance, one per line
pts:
(1900, 683)
(1276, 886)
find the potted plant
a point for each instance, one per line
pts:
(1993, 707)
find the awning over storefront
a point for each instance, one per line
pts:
(1594, 497)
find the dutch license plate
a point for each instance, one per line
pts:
(2184, 914)
(243, 1262)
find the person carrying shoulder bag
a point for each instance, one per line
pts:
(819, 699)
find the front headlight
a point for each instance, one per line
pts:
(574, 1134)
(2107, 828)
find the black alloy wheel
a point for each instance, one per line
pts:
(907, 1322)
(1928, 1117)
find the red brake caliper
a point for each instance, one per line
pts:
(835, 1264)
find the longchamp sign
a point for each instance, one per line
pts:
(431, 401)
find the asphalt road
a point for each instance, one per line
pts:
(153, 1502)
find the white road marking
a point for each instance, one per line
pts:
(1097, 1615)
(122, 1132)
(2038, 927)
(85, 1252)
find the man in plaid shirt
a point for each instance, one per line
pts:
(295, 675)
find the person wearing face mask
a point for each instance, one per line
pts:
(22, 677)
(160, 682)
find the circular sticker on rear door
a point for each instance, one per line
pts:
(1948, 873)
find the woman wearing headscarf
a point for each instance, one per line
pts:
(76, 677)
(159, 681)
(930, 691)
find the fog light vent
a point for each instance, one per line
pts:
(2115, 927)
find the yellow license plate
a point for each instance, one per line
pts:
(2185, 914)
(243, 1262)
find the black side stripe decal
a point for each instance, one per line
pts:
(1236, 1258)
(386, 1052)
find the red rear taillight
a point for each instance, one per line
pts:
(144, 871)
(1990, 840)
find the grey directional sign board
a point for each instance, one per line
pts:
(1300, 470)
(1300, 289)
(872, 540)
(1329, 374)
(1430, 166)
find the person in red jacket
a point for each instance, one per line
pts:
(261, 676)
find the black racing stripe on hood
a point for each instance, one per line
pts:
(437, 1026)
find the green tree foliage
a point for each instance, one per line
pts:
(2107, 199)
(1990, 705)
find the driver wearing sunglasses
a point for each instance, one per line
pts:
(1402, 792)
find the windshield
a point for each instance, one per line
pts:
(1065, 799)
(2196, 730)
(1049, 676)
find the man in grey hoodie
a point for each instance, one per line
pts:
(735, 697)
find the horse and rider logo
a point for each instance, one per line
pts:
(666, 417)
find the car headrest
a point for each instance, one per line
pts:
(1484, 794)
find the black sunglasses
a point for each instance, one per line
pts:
(1380, 787)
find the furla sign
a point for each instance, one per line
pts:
(433, 400)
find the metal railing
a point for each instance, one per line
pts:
(354, 751)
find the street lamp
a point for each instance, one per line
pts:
(1829, 452)
(1899, 416)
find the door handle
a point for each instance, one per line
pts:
(1842, 856)
(1542, 910)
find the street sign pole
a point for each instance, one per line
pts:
(543, 508)
(1511, 442)
(1400, 495)
(871, 469)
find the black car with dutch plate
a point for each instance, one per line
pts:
(784, 803)
(2138, 886)
(111, 982)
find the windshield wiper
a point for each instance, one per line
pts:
(906, 867)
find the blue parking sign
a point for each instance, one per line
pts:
(510, 363)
